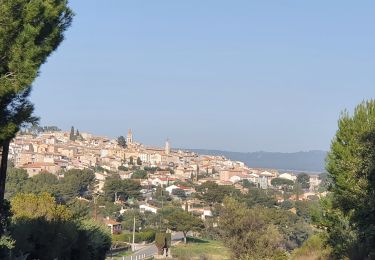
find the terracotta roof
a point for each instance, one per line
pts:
(111, 222)
(184, 187)
(167, 179)
(38, 165)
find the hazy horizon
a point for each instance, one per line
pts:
(243, 76)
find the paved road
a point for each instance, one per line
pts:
(144, 252)
(150, 250)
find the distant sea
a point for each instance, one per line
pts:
(309, 162)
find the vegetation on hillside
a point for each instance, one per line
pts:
(51, 216)
(348, 215)
(201, 249)
(35, 221)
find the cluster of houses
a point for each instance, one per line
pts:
(262, 178)
(55, 152)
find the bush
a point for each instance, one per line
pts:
(94, 241)
(123, 168)
(151, 169)
(313, 197)
(145, 236)
(163, 240)
(44, 229)
(313, 248)
(139, 174)
(287, 204)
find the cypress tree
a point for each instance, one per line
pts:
(72, 136)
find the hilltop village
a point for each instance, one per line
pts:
(126, 185)
(58, 151)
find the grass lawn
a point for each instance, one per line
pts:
(199, 248)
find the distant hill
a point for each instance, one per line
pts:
(311, 161)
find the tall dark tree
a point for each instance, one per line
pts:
(297, 188)
(76, 183)
(72, 135)
(43, 182)
(121, 141)
(15, 181)
(213, 193)
(257, 196)
(349, 217)
(78, 135)
(30, 31)
(15, 112)
(304, 180)
(122, 188)
(278, 182)
(182, 221)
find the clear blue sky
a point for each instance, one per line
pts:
(236, 75)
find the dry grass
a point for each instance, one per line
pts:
(201, 249)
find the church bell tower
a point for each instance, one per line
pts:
(129, 138)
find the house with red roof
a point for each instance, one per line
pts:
(114, 226)
(33, 169)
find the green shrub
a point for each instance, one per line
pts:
(163, 240)
(313, 248)
(123, 168)
(145, 236)
(148, 236)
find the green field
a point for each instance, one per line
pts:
(201, 249)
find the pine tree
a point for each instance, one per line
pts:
(349, 211)
(30, 31)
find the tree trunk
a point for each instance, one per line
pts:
(3, 170)
(185, 239)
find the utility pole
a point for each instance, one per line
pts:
(197, 177)
(162, 198)
(133, 245)
(95, 206)
(95, 214)
(162, 206)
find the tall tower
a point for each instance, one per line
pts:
(129, 138)
(167, 148)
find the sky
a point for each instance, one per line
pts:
(232, 75)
